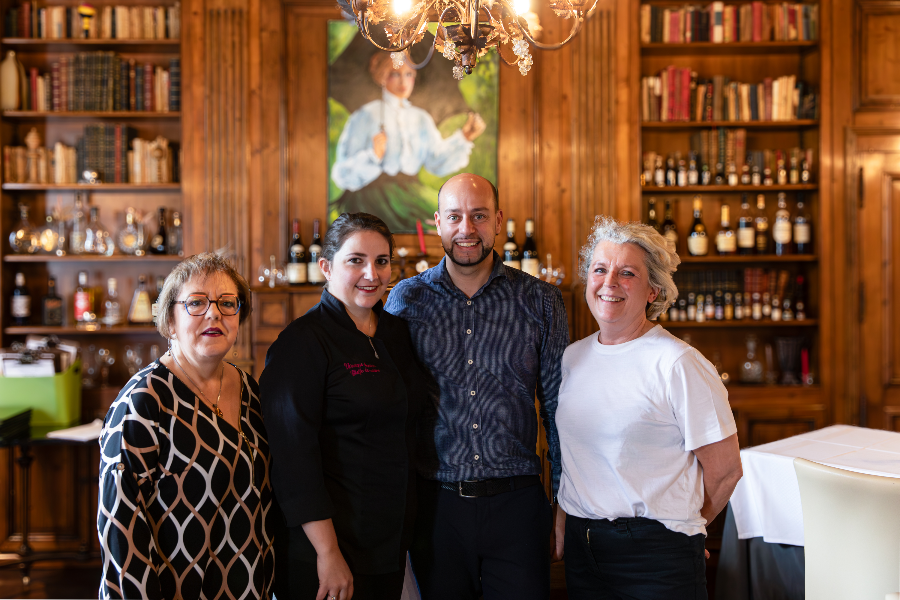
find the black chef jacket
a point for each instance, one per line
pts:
(342, 428)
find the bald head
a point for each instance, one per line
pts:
(468, 184)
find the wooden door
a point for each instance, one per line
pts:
(878, 269)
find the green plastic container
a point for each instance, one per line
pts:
(54, 401)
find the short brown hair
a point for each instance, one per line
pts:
(202, 265)
(349, 223)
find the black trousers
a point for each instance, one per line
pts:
(498, 546)
(632, 559)
(300, 581)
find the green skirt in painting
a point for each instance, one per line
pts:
(399, 200)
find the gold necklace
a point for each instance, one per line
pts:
(215, 406)
(371, 323)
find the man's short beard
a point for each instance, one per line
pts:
(485, 252)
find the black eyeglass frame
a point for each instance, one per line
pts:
(237, 310)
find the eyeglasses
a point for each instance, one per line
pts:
(196, 305)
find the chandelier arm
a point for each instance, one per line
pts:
(524, 27)
(427, 59)
(368, 36)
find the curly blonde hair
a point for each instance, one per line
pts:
(661, 263)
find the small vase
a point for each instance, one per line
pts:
(9, 82)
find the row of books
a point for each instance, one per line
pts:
(27, 20)
(103, 81)
(103, 150)
(677, 94)
(723, 23)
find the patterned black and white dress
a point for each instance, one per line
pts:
(185, 501)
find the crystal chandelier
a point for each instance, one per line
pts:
(466, 29)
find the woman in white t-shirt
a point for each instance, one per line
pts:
(649, 445)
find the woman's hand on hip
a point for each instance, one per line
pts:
(335, 579)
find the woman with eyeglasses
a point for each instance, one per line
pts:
(185, 496)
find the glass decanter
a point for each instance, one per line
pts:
(97, 239)
(131, 239)
(24, 238)
(48, 234)
(77, 227)
(751, 367)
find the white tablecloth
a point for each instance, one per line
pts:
(766, 502)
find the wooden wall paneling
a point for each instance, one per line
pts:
(877, 50)
(764, 424)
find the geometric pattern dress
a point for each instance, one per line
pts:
(185, 506)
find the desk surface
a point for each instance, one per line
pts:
(766, 502)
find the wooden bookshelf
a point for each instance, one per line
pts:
(33, 115)
(694, 49)
(674, 125)
(90, 258)
(69, 330)
(97, 187)
(736, 189)
(76, 45)
(743, 323)
(749, 259)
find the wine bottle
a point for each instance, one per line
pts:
(746, 233)
(651, 215)
(20, 307)
(296, 266)
(112, 313)
(719, 300)
(24, 239)
(800, 299)
(802, 228)
(158, 241)
(671, 175)
(141, 311)
(511, 256)
(782, 229)
(77, 230)
(83, 299)
(709, 307)
(314, 274)
(698, 240)
(175, 241)
(762, 226)
(530, 261)
(670, 231)
(52, 309)
(726, 240)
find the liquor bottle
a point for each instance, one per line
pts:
(681, 177)
(775, 313)
(782, 229)
(83, 299)
(670, 231)
(24, 238)
(719, 177)
(131, 238)
(719, 300)
(52, 309)
(511, 256)
(96, 238)
(738, 303)
(709, 306)
(175, 241)
(158, 241)
(762, 226)
(48, 234)
(755, 178)
(802, 228)
(112, 313)
(751, 367)
(20, 305)
(800, 299)
(746, 232)
(782, 175)
(726, 240)
(651, 215)
(671, 176)
(745, 171)
(732, 174)
(767, 176)
(691, 309)
(700, 298)
(804, 171)
(698, 240)
(530, 261)
(693, 176)
(141, 311)
(705, 175)
(794, 174)
(682, 307)
(729, 297)
(314, 274)
(659, 175)
(296, 266)
(78, 227)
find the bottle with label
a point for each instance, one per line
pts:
(794, 174)
(802, 228)
(52, 309)
(705, 175)
(20, 305)
(751, 367)
(783, 228)
(681, 177)
(24, 238)
(719, 177)
(709, 307)
(659, 175)
(719, 300)
(800, 299)
(671, 175)
(530, 261)
(131, 238)
(83, 299)
(698, 240)
(511, 255)
(755, 177)
(314, 274)
(48, 233)
(141, 311)
(762, 226)
(726, 240)
(651, 214)
(112, 313)
(78, 227)
(745, 171)
(669, 230)
(804, 171)
(296, 266)
(175, 241)
(782, 175)
(746, 232)
(693, 176)
(158, 241)
(732, 174)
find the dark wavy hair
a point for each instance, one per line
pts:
(349, 223)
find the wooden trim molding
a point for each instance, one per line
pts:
(872, 51)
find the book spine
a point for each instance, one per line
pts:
(132, 85)
(175, 84)
(148, 87)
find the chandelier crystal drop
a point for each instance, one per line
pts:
(466, 29)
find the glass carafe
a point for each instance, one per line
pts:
(97, 239)
(751, 367)
(131, 238)
(24, 238)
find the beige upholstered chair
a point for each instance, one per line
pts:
(851, 526)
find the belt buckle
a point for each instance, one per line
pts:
(461, 495)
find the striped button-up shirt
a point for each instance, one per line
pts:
(489, 356)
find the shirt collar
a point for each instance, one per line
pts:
(335, 309)
(439, 274)
(394, 101)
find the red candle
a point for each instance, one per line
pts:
(804, 364)
(421, 237)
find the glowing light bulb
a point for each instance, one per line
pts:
(522, 6)
(402, 6)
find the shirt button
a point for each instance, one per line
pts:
(469, 331)
(472, 393)
(120, 466)
(470, 361)
(468, 303)
(477, 457)
(475, 426)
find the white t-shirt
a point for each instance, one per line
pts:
(629, 416)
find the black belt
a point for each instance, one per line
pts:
(490, 487)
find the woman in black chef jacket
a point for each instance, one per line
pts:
(340, 395)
